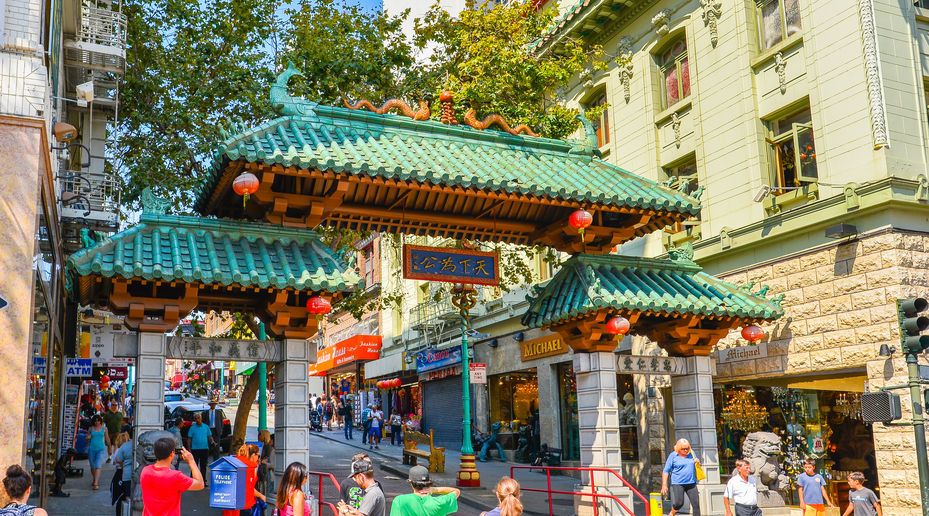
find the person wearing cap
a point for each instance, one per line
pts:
(426, 499)
(113, 420)
(373, 502)
(350, 491)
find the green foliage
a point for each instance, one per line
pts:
(482, 56)
(239, 329)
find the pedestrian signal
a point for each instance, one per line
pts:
(880, 407)
(912, 324)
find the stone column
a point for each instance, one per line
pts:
(598, 421)
(695, 420)
(291, 405)
(150, 384)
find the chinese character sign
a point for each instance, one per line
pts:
(451, 265)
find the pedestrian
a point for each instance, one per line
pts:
(366, 424)
(377, 424)
(350, 491)
(162, 486)
(681, 470)
(96, 452)
(861, 500)
(811, 488)
(328, 410)
(396, 424)
(200, 438)
(348, 415)
(214, 421)
(122, 459)
(426, 499)
(373, 503)
(741, 496)
(18, 485)
(60, 474)
(249, 455)
(290, 498)
(113, 419)
(507, 492)
(265, 469)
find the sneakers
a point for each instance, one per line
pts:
(376, 447)
(370, 447)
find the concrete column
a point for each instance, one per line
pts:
(695, 420)
(598, 421)
(549, 406)
(291, 406)
(150, 385)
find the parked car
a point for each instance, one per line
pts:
(173, 399)
(186, 414)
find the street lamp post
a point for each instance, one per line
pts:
(464, 297)
(262, 385)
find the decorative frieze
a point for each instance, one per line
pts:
(661, 22)
(873, 73)
(712, 11)
(624, 62)
(780, 66)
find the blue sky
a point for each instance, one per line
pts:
(371, 4)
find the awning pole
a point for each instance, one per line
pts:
(262, 385)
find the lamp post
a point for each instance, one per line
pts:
(262, 385)
(464, 297)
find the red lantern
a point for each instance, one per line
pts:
(379, 384)
(581, 220)
(397, 383)
(245, 185)
(318, 306)
(752, 333)
(618, 326)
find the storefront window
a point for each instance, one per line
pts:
(628, 418)
(822, 425)
(567, 394)
(514, 399)
(37, 380)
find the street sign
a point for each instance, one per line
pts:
(79, 367)
(478, 373)
(451, 265)
(38, 365)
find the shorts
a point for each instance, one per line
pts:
(815, 509)
(96, 458)
(375, 432)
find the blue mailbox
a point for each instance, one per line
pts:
(227, 483)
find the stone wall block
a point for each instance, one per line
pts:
(804, 310)
(823, 359)
(881, 243)
(801, 279)
(771, 365)
(760, 274)
(917, 277)
(854, 318)
(810, 342)
(859, 355)
(777, 285)
(911, 242)
(886, 277)
(874, 333)
(849, 284)
(793, 297)
(886, 312)
(822, 324)
(847, 251)
(839, 338)
(783, 268)
(896, 257)
(798, 360)
(869, 298)
(818, 259)
(864, 263)
(818, 291)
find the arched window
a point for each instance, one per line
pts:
(675, 71)
(602, 123)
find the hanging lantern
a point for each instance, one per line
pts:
(618, 325)
(318, 306)
(245, 185)
(581, 220)
(379, 384)
(397, 383)
(752, 333)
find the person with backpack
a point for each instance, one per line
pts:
(396, 423)
(327, 413)
(18, 485)
(366, 425)
(348, 416)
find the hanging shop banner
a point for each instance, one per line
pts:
(79, 367)
(451, 265)
(69, 424)
(541, 347)
(358, 347)
(649, 364)
(478, 373)
(438, 359)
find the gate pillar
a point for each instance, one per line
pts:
(292, 405)
(150, 384)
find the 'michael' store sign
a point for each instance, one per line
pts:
(542, 347)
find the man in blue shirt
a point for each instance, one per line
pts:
(200, 437)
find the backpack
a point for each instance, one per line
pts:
(15, 509)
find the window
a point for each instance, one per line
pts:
(685, 176)
(780, 19)
(676, 73)
(367, 257)
(602, 123)
(791, 140)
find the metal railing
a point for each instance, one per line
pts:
(102, 23)
(89, 193)
(319, 490)
(593, 488)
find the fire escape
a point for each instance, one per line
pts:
(94, 61)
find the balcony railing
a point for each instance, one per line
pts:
(100, 43)
(88, 196)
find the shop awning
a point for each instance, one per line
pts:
(358, 347)
(245, 368)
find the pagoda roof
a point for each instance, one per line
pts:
(658, 288)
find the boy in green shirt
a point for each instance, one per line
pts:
(425, 500)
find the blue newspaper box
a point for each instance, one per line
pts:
(227, 483)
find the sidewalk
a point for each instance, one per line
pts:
(482, 498)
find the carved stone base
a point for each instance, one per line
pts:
(770, 499)
(468, 475)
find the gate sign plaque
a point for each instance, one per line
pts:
(451, 265)
(197, 348)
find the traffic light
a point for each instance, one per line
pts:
(912, 324)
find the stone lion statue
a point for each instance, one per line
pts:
(145, 455)
(761, 450)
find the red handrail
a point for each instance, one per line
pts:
(319, 490)
(593, 487)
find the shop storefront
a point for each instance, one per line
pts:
(824, 425)
(341, 364)
(440, 376)
(514, 403)
(397, 385)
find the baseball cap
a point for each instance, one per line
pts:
(361, 466)
(419, 474)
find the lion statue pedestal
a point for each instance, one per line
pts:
(761, 450)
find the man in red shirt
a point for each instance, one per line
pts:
(162, 486)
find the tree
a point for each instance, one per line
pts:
(484, 56)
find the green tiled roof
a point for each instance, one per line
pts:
(211, 251)
(589, 283)
(389, 146)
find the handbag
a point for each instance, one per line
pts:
(698, 469)
(259, 508)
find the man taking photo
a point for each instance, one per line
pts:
(162, 486)
(426, 499)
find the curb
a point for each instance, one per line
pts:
(361, 447)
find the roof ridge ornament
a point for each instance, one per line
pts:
(423, 113)
(590, 141)
(152, 204)
(281, 100)
(682, 254)
(496, 119)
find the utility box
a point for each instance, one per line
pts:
(227, 483)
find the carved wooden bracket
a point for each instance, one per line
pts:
(294, 209)
(152, 306)
(288, 317)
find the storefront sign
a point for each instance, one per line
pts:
(115, 373)
(358, 347)
(69, 425)
(740, 353)
(102, 341)
(541, 347)
(79, 367)
(441, 373)
(438, 359)
(451, 265)
(478, 373)
(649, 364)
(38, 366)
(197, 348)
